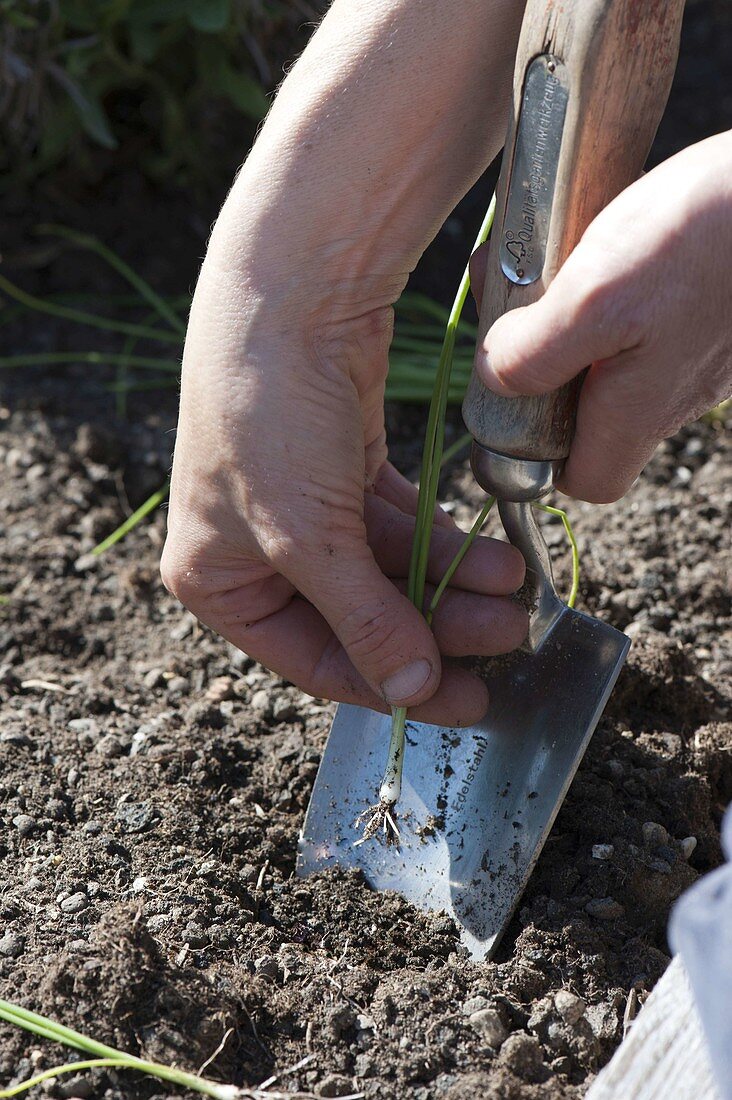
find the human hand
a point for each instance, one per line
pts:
(290, 532)
(644, 298)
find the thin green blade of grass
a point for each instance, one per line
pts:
(124, 386)
(143, 288)
(59, 1033)
(453, 566)
(81, 317)
(57, 1071)
(435, 433)
(96, 358)
(139, 514)
(572, 598)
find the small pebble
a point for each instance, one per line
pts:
(474, 1004)
(687, 846)
(154, 678)
(109, 747)
(284, 710)
(489, 1026)
(603, 1019)
(75, 903)
(569, 1006)
(260, 701)
(665, 851)
(178, 685)
(654, 834)
(17, 738)
(139, 885)
(694, 447)
(603, 851)
(334, 1085)
(195, 936)
(88, 726)
(12, 945)
(267, 967)
(605, 909)
(25, 824)
(340, 1019)
(365, 1065)
(184, 628)
(254, 677)
(56, 809)
(521, 1053)
(221, 688)
(135, 817)
(660, 866)
(72, 1087)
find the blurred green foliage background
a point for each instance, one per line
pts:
(160, 81)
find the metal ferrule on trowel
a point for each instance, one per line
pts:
(591, 82)
(517, 483)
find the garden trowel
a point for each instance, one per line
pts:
(591, 82)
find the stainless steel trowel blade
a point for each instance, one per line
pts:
(477, 803)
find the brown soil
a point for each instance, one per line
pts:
(153, 781)
(160, 782)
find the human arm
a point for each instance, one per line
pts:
(289, 532)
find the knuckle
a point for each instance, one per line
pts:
(182, 577)
(605, 302)
(283, 550)
(371, 633)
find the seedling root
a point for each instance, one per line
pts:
(380, 818)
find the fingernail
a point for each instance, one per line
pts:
(406, 682)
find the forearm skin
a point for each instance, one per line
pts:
(391, 114)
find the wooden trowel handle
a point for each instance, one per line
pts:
(591, 83)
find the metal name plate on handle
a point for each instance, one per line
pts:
(534, 170)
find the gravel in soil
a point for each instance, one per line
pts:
(153, 782)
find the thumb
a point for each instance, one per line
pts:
(580, 320)
(386, 638)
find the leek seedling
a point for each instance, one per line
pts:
(381, 817)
